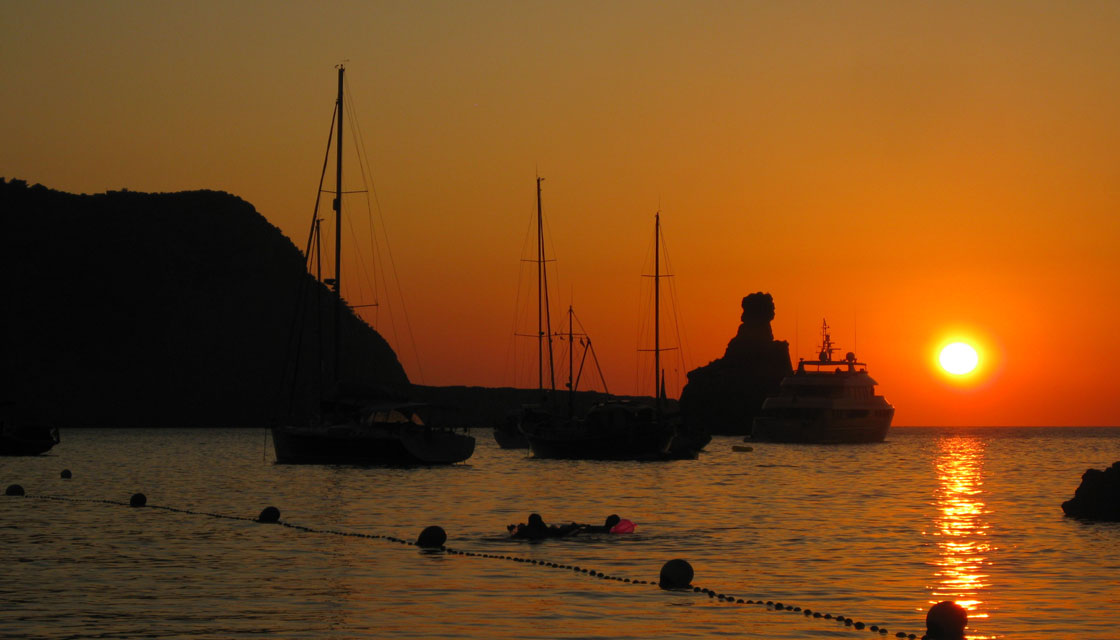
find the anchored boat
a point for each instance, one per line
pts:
(19, 439)
(616, 429)
(360, 428)
(825, 401)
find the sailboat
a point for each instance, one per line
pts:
(510, 435)
(354, 428)
(615, 429)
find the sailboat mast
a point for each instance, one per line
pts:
(657, 308)
(544, 333)
(338, 232)
(571, 366)
(540, 292)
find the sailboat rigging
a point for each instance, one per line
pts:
(355, 427)
(689, 439)
(547, 406)
(614, 429)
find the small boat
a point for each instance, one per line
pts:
(21, 437)
(361, 429)
(18, 439)
(508, 435)
(825, 401)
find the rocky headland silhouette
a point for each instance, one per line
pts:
(130, 309)
(1098, 496)
(161, 309)
(725, 395)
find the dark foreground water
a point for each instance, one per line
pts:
(875, 532)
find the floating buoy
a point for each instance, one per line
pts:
(137, 500)
(946, 619)
(13, 490)
(741, 447)
(269, 515)
(675, 574)
(432, 537)
(65, 475)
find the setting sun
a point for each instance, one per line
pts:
(958, 358)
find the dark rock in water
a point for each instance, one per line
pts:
(725, 395)
(432, 537)
(1098, 497)
(675, 574)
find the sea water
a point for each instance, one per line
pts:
(875, 533)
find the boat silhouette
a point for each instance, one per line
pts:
(353, 425)
(825, 401)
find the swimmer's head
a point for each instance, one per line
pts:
(536, 519)
(612, 520)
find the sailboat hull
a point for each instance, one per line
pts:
(370, 446)
(612, 431)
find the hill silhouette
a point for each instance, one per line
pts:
(162, 309)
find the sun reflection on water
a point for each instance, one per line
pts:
(960, 527)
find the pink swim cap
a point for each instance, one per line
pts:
(623, 526)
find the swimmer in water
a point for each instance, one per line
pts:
(536, 529)
(609, 524)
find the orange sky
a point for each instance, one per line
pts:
(910, 171)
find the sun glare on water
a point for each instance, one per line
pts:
(959, 358)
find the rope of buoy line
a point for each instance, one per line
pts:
(676, 575)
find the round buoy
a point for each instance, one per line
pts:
(675, 574)
(269, 515)
(432, 537)
(946, 620)
(65, 475)
(137, 500)
(13, 490)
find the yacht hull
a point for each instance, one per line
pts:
(824, 430)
